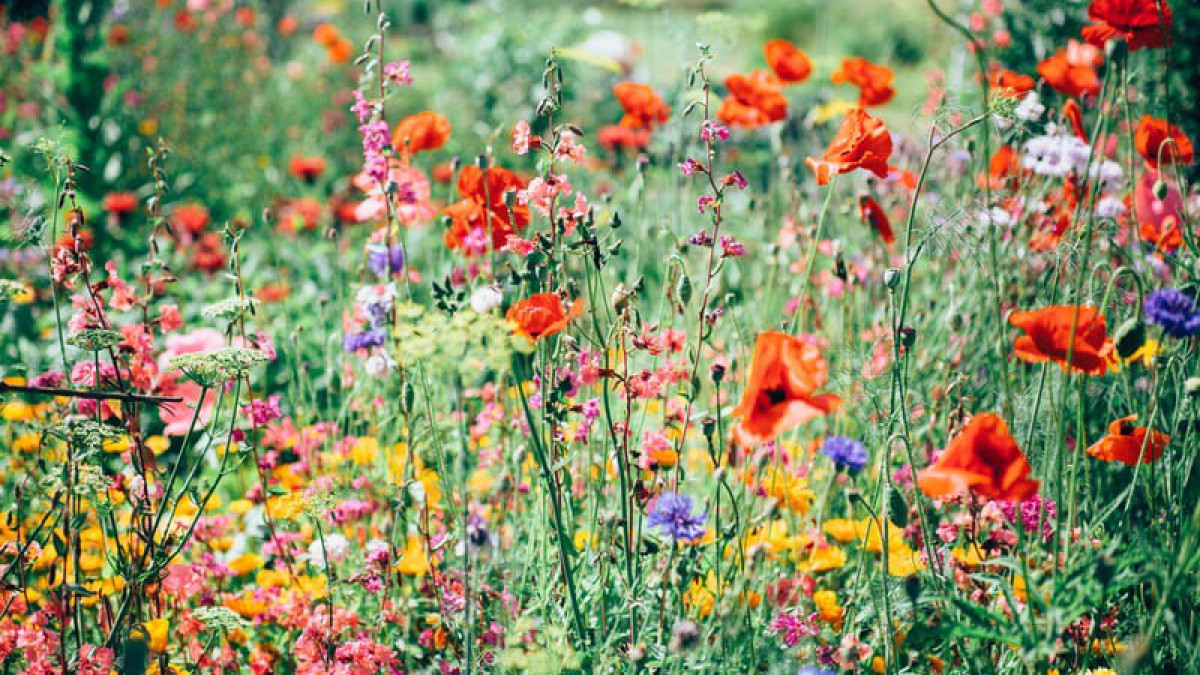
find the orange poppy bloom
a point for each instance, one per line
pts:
(863, 142)
(785, 375)
(191, 218)
(306, 169)
(874, 81)
(984, 459)
(787, 62)
(425, 130)
(616, 136)
(541, 315)
(1071, 74)
(1137, 22)
(1048, 337)
(1125, 443)
(482, 210)
(873, 214)
(1004, 170)
(754, 100)
(119, 203)
(1074, 115)
(1016, 83)
(1161, 143)
(642, 105)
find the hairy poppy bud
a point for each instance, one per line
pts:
(908, 336)
(1129, 337)
(708, 425)
(684, 636)
(718, 372)
(1160, 189)
(891, 277)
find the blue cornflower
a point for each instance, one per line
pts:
(384, 261)
(846, 453)
(672, 515)
(1177, 312)
(364, 340)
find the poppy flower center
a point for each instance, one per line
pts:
(776, 395)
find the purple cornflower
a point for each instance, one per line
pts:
(384, 261)
(690, 166)
(1177, 312)
(364, 340)
(672, 515)
(845, 452)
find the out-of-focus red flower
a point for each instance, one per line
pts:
(1074, 115)
(208, 254)
(422, 131)
(542, 315)
(1016, 83)
(1072, 71)
(1162, 144)
(643, 107)
(874, 215)
(1137, 22)
(482, 218)
(190, 218)
(119, 203)
(617, 136)
(789, 64)
(307, 169)
(755, 99)
(874, 81)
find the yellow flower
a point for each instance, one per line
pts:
(700, 597)
(27, 442)
(414, 562)
(246, 563)
(903, 561)
(116, 445)
(156, 634)
(828, 609)
(158, 444)
(364, 451)
(16, 411)
(832, 110)
(481, 482)
(246, 605)
(1146, 353)
(969, 557)
(823, 559)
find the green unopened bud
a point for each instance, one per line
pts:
(1115, 49)
(1160, 189)
(1130, 337)
(891, 277)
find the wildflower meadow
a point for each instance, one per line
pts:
(631, 336)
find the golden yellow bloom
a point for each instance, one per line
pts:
(156, 632)
(364, 451)
(158, 444)
(828, 609)
(414, 562)
(823, 559)
(246, 563)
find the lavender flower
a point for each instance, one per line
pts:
(1177, 312)
(364, 340)
(672, 515)
(846, 453)
(385, 261)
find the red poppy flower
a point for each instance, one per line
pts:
(874, 81)
(1071, 74)
(984, 459)
(542, 315)
(191, 218)
(1016, 83)
(1128, 444)
(1048, 337)
(863, 142)
(617, 136)
(119, 203)
(483, 211)
(425, 130)
(207, 254)
(306, 169)
(642, 105)
(754, 100)
(787, 62)
(874, 215)
(1137, 22)
(785, 375)
(1004, 170)
(1074, 115)
(1161, 143)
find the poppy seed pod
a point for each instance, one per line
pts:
(891, 277)
(1129, 337)
(718, 372)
